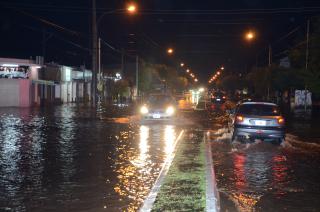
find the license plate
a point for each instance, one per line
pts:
(156, 116)
(260, 123)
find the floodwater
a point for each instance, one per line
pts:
(71, 158)
(265, 177)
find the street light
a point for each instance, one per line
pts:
(188, 70)
(181, 64)
(222, 68)
(196, 80)
(170, 51)
(250, 35)
(132, 8)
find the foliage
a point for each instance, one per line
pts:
(311, 75)
(185, 184)
(276, 78)
(120, 88)
(231, 82)
(151, 74)
(146, 73)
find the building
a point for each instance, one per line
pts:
(24, 83)
(72, 84)
(19, 79)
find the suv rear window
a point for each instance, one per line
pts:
(259, 110)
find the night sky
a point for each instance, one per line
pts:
(204, 34)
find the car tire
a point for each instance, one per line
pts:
(234, 137)
(278, 141)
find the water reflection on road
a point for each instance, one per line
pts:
(265, 177)
(68, 158)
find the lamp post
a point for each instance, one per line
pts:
(96, 44)
(251, 35)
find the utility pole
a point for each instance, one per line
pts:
(44, 38)
(122, 61)
(137, 74)
(307, 49)
(269, 65)
(94, 54)
(270, 55)
(307, 63)
(99, 58)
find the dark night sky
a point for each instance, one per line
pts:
(202, 38)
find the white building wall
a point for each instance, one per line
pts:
(74, 91)
(9, 93)
(57, 91)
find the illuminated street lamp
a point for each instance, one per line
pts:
(196, 80)
(132, 8)
(222, 68)
(218, 73)
(170, 51)
(181, 64)
(188, 70)
(250, 35)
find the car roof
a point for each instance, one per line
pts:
(258, 103)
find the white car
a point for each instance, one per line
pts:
(159, 107)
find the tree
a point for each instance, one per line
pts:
(311, 75)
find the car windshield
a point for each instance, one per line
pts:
(259, 110)
(159, 99)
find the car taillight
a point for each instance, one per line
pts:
(280, 120)
(239, 119)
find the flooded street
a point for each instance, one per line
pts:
(70, 158)
(265, 177)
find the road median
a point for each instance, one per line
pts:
(184, 188)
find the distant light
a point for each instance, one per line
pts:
(218, 72)
(10, 65)
(181, 64)
(170, 51)
(188, 70)
(201, 89)
(222, 68)
(196, 80)
(132, 8)
(250, 35)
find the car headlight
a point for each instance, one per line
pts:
(144, 110)
(170, 110)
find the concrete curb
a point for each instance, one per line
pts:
(212, 194)
(148, 202)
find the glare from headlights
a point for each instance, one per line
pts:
(144, 110)
(170, 110)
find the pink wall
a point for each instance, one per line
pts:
(24, 98)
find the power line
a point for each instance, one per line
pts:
(61, 28)
(167, 12)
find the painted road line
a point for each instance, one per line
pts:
(212, 194)
(148, 202)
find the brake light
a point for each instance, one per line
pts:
(281, 120)
(239, 119)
